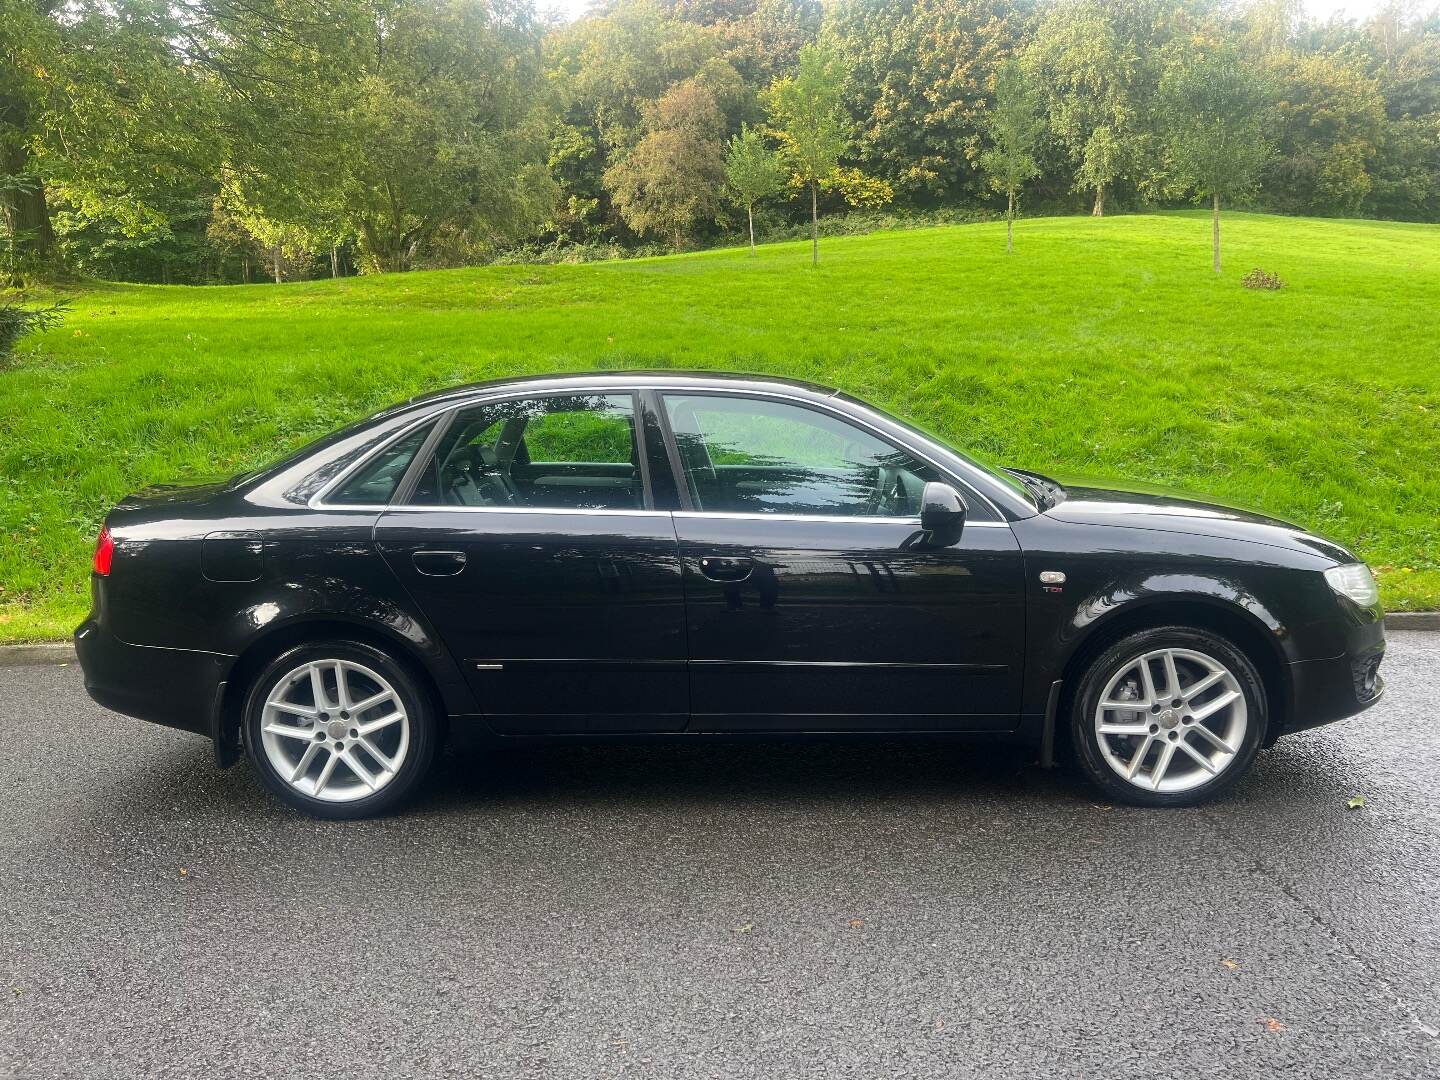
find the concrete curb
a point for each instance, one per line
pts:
(1413, 620)
(62, 652)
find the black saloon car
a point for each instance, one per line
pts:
(664, 554)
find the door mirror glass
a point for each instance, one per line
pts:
(942, 513)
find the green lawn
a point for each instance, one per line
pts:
(1104, 347)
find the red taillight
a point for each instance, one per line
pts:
(104, 552)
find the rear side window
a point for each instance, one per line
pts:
(568, 451)
(378, 478)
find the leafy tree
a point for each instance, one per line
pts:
(27, 38)
(1330, 121)
(917, 78)
(1016, 127)
(1404, 59)
(16, 322)
(1099, 62)
(765, 43)
(808, 120)
(97, 112)
(754, 172)
(1215, 113)
(672, 180)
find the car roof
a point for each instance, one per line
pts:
(629, 379)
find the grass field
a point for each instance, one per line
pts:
(1103, 347)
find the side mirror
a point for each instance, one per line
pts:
(942, 514)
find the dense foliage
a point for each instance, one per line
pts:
(226, 140)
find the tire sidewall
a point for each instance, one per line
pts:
(417, 705)
(1087, 698)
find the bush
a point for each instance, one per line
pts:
(16, 322)
(1262, 279)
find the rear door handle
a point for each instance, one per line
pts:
(439, 563)
(722, 568)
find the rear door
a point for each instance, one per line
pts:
(812, 602)
(529, 538)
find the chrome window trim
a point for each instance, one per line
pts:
(662, 385)
(739, 515)
(441, 508)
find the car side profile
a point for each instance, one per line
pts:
(688, 555)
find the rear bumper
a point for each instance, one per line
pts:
(173, 687)
(1323, 691)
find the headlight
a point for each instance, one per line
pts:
(1354, 581)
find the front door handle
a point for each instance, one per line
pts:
(722, 568)
(439, 563)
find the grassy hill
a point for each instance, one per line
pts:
(1104, 347)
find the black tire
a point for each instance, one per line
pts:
(410, 772)
(1111, 663)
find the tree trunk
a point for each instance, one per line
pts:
(1215, 231)
(1098, 210)
(245, 269)
(1010, 224)
(25, 210)
(277, 264)
(334, 261)
(814, 226)
(750, 213)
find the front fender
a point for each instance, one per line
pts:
(1116, 575)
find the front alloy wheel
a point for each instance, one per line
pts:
(339, 729)
(1169, 717)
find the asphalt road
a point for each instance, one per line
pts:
(726, 911)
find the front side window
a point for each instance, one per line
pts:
(377, 479)
(752, 455)
(569, 451)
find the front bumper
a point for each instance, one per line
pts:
(1323, 691)
(175, 687)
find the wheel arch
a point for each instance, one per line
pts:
(1257, 640)
(276, 639)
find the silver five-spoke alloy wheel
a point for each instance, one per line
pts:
(1171, 720)
(335, 730)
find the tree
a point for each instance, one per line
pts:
(1016, 127)
(754, 172)
(1098, 61)
(97, 112)
(388, 120)
(1214, 107)
(917, 80)
(672, 180)
(808, 120)
(1330, 122)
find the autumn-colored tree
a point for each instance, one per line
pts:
(673, 179)
(917, 78)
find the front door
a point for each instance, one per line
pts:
(528, 539)
(811, 600)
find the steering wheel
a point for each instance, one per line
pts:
(889, 497)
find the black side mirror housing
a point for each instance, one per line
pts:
(942, 514)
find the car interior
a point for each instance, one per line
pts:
(539, 460)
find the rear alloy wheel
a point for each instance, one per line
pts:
(1169, 717)
(339, 730)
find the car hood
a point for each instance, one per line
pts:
(1144, 506)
